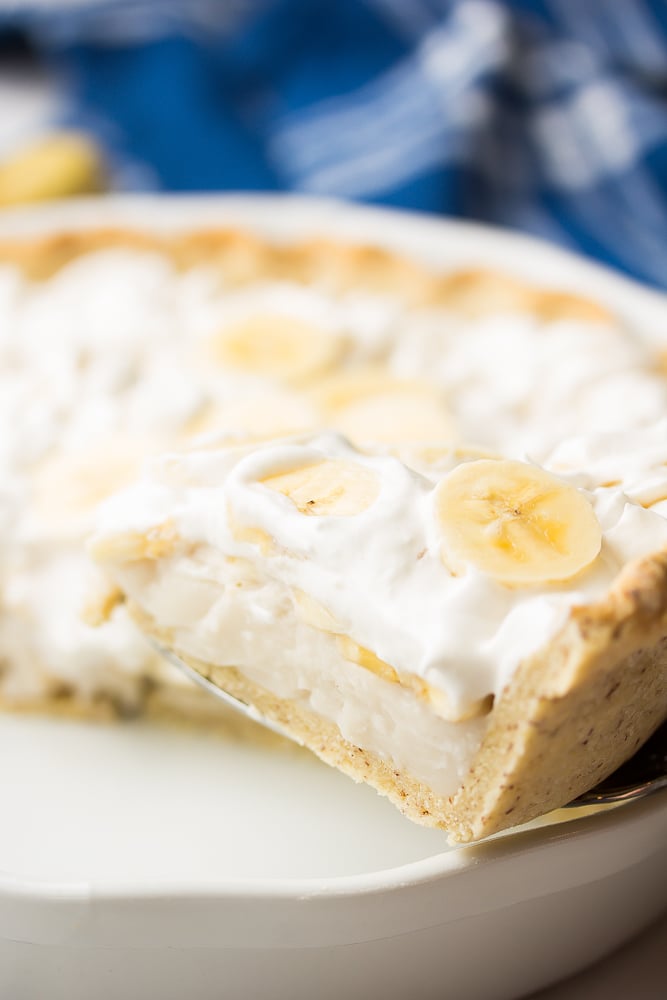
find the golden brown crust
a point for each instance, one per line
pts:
(576, 709)
(40, 258)
(243, 257)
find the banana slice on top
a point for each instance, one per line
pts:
(67, 487)
(258, 418)
(345, 388)
(373, 405)
(395, 419)
(515, 522)
(276, 346)
(333, 487)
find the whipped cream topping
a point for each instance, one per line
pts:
(104, 363)
(520, 384)
(378, 573)
(632, 461)
(107, 362)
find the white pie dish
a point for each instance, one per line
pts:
(144, 862)
(261, 906)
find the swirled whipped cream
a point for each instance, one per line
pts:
(120, 355)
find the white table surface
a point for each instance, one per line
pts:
(636, 972)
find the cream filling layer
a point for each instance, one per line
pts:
(226, 613)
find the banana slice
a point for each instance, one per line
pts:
(275, 346)
(351, 650)
(67, 487)
(312, 613)
(372, 405)
(130, 546)
(62, 164)
(331, 488)
(515, 522)
(365, 658)
(335, 392)
(395, 419)
(258, 418)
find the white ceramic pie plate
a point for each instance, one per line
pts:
(144, 862)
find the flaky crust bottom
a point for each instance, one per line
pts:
(573, 713)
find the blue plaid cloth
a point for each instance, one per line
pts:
(545, 115)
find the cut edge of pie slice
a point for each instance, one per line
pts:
(575, 710)
(572, 711)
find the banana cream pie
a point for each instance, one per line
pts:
(481, 644)
(376, 383)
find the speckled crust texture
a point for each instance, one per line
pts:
(571, 715)
(574, 711)
(243, 258)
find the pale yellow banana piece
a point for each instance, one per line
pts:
(335, 392)
(351, 650)
(258, 418)
(248, 533)
(312, 613)
(394, 419)
(68, 486)
(275, 346)
(332, 487)
(129, 546)
(515, 522)
(438, 699)
(372, 405)
(65, 163)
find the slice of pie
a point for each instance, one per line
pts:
(479, 638)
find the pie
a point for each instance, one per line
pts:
(417, 519)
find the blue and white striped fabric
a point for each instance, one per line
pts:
(544, 115)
